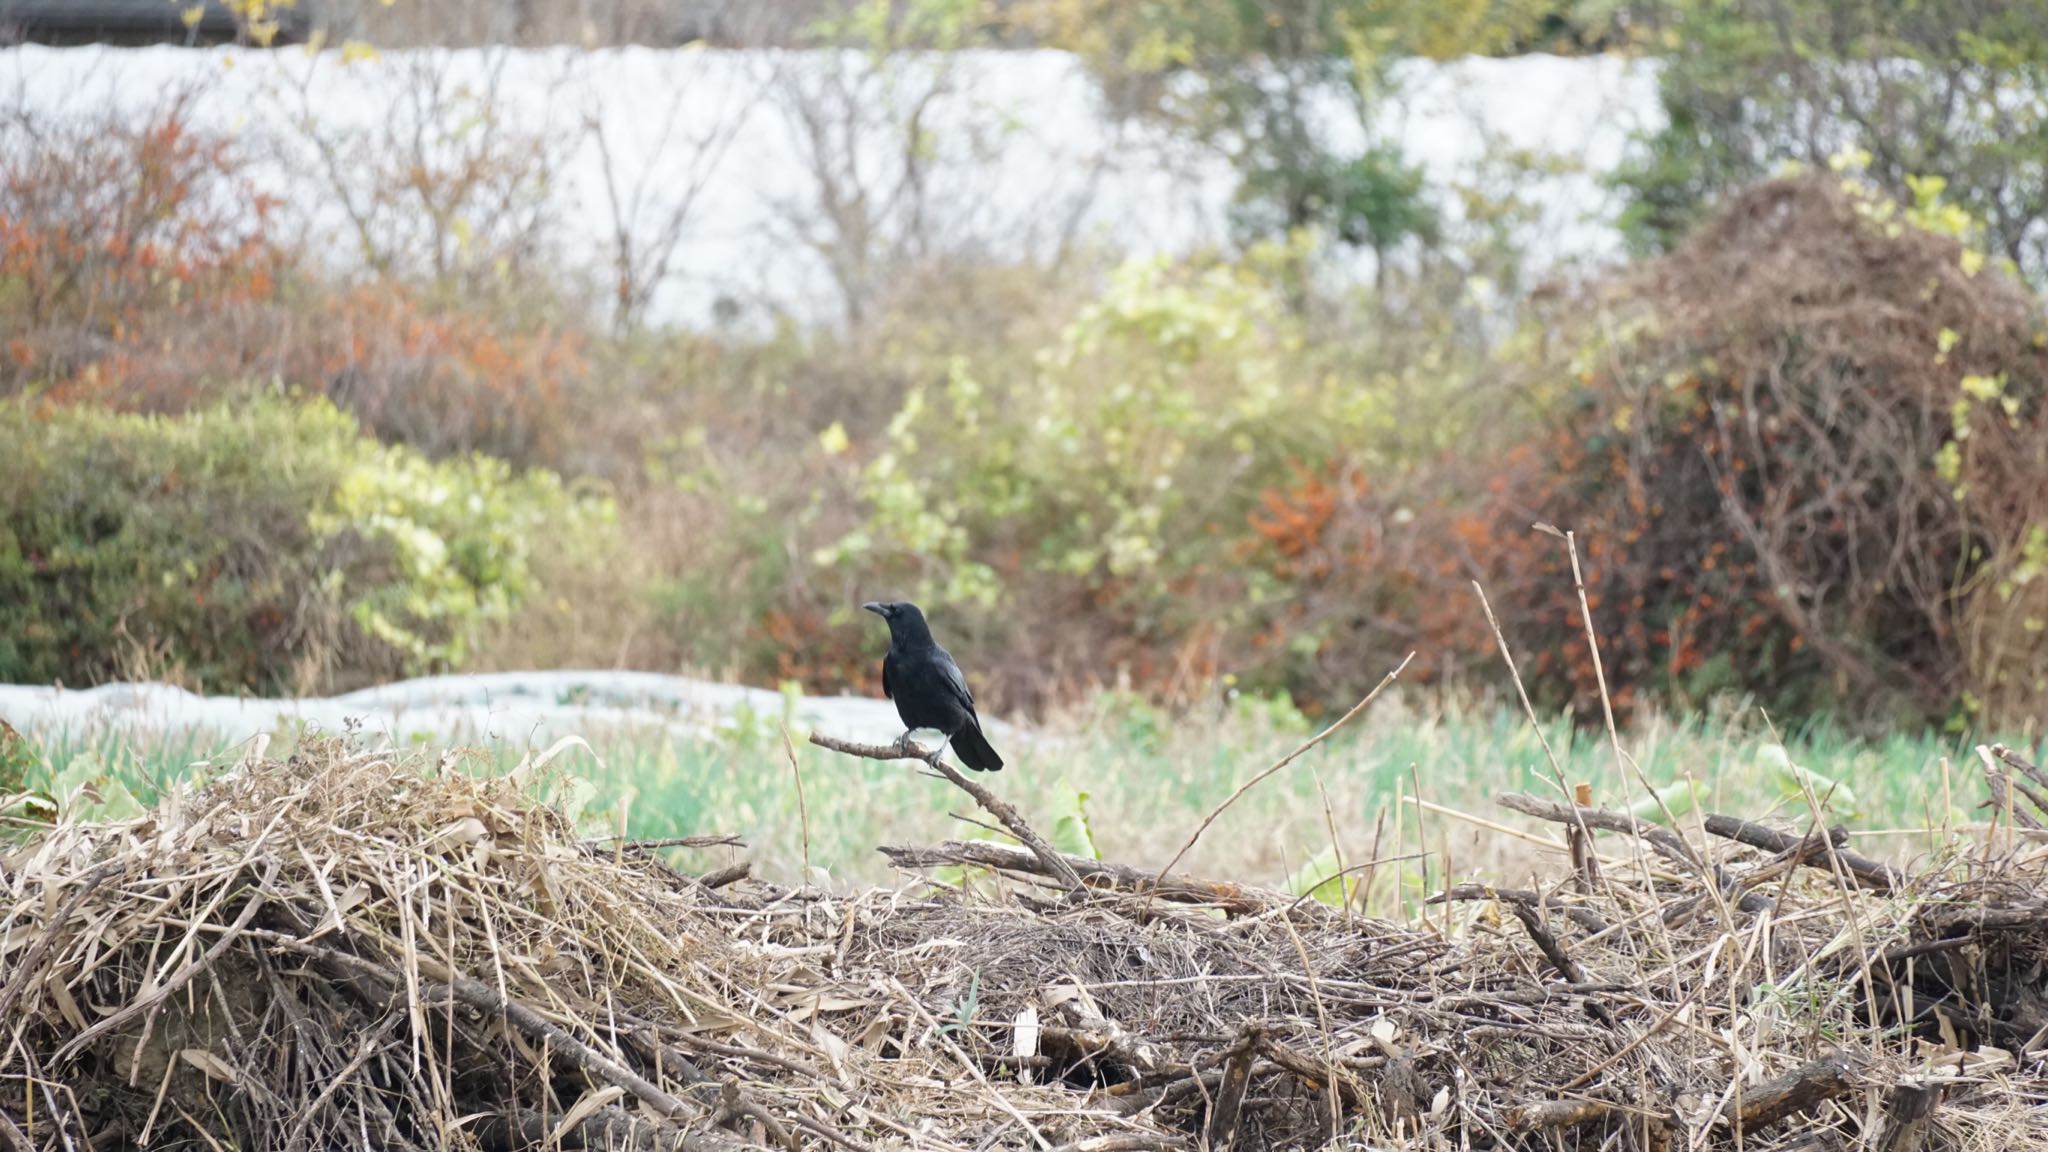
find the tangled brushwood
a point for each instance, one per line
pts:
(356, 949)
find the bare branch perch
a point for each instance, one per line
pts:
(1055, 864)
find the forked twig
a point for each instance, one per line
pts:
(1664, 840)
(1056, 865)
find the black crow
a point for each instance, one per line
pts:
(928, 688)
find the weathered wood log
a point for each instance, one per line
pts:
(1237, 1076)
(728, 875)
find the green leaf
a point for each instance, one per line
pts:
(115, 802)
(18, 760)
(76, 779)
(1794, 783)
(958, 875)
(1319, 879)
(39, 807)
(1679, 796)
(1071, 832)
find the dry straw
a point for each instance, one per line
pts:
(354, 949)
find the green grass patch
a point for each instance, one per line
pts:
(1150, 777)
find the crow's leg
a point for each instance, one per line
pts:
(903, 743)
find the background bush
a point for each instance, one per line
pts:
(143, 269)
(1799, 439)
(1806, 460)
(268, 546)
(1816, 465)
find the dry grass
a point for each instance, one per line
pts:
(355, 948)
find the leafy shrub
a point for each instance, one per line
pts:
(1086, 509)
(1806, 457)
(267, 546)
(1816, 465)
(126, 248)
(141, 266)
(444, 378)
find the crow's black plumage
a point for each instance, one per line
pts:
(928, 688)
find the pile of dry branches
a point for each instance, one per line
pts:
(352, 949)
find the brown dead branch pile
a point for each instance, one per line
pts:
(350, 950)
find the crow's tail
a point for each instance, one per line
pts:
(972, 748)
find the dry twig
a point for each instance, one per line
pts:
(1055, 865)
(1235, 898)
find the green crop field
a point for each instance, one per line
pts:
(1144, 779)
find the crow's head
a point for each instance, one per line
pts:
(905, 619)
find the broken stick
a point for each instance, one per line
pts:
(1867, 873)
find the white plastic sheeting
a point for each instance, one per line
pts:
(519, 708)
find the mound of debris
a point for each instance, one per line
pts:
(354, 948)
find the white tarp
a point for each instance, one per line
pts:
(520, 708)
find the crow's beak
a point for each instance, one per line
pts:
(876, 608)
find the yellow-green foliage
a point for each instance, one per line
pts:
(266, 546)
(1128, 452)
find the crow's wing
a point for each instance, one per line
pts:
(888, 692)
(951, 676)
